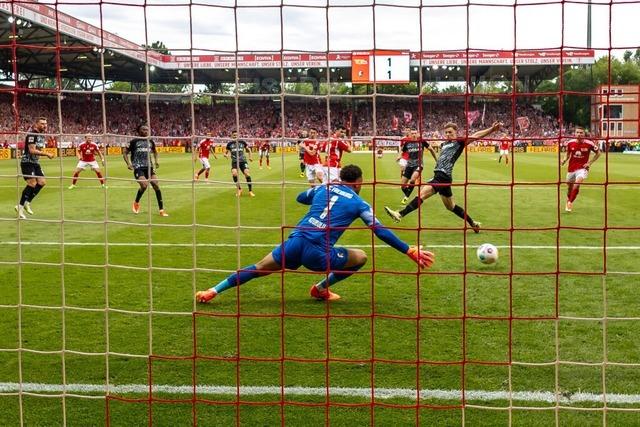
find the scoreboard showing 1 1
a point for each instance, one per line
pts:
(383, 66)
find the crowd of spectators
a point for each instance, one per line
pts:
(259, 118)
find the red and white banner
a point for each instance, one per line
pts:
(523, 123)
(472, 116)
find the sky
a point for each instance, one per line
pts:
(308, 25)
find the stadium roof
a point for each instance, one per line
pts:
(38, 30)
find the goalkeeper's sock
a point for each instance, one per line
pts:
(462, 214)
(140, 193)
(412, 206)
(75, 178)
(235, 179)
(238, 278)
(99, 175)
(249, 183)
(405, 190)
(302, 167)
(333, 278)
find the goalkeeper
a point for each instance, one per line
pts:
(312, 243)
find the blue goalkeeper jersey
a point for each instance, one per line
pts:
(333, 209)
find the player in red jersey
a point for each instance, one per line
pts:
(577, 153)
(205, 148)
(310, 149)
(334, 148)
(504, 150)
(264, 148)
(86, 153)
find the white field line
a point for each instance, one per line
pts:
(359, 392)
(301, 185)
(272, 245)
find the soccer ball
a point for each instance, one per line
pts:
(487, 253)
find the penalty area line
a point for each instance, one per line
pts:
(356, 392)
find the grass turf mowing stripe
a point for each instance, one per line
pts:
(359, 392)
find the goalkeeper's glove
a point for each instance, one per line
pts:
(423, 258)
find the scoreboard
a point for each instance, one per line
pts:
(380, 66)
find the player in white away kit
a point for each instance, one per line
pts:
(205, 148)
(578, 151)
(310, 149)
(86, 153)
(334, 148)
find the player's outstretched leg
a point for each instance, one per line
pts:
(450, 204)
(262, 268)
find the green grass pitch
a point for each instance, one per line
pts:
(570, 333)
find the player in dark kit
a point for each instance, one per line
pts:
(143, 169)
(32, 173)
(236, 149)
(414, 146)
(450, 151)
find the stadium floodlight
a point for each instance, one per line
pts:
(19, 21)
(10, 19)
(179, 71)
(152, 68)
(435, 67)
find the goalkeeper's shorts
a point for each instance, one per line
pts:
(298, 251)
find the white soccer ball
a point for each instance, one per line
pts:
(487, 253)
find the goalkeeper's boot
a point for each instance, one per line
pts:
(239, 192)
(404, 200)
(27, 208)
(252, 194)
(71, 187)
(162, 212)
(205, 296)
(476, 227)
(324, 294)
(569, 206)
(135, 207)
(395, 215)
